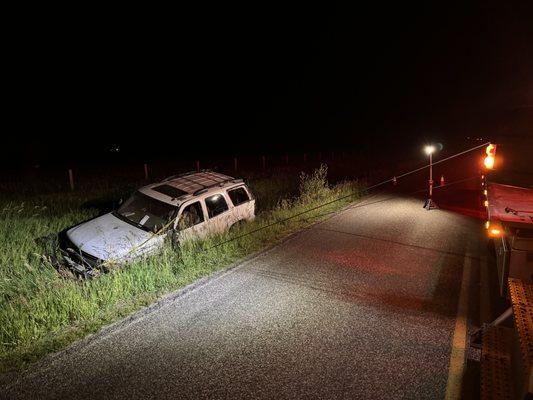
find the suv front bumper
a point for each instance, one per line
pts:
(77, 260)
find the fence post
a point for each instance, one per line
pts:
(264, 162)
(235, 163)
(71, 179)
(146, 171)
(197, 165)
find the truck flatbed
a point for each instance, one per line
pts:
(511, 204)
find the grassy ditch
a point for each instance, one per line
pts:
(41, 311)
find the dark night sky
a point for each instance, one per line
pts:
(241, 79)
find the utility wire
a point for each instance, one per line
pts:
(353, 194)
(427, 166)
(357, 205)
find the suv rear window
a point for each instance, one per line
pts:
(216, 205)
(238, 196)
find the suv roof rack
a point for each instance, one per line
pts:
(220, 184)
(209, 179)
(169, 178)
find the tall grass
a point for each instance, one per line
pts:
(42, 311)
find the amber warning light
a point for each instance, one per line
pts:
(491, 155)
(494, 229)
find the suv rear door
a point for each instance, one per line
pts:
(243, 202)
(221, 215)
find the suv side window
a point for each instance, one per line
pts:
(191, 215)
(216, 205)
(238, 196)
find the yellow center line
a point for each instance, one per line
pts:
(457, 354)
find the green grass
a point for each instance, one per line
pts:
(42, 311)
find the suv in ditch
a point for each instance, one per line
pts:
(183, 207)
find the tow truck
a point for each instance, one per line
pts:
(506, 343)
(510, 228)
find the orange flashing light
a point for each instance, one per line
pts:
(494, 229)
(489, 162)
(495, 232)
(491, 150)
(491, 156)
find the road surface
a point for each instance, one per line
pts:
(362, 305)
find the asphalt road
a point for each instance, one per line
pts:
(362, 305)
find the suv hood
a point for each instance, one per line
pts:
(108, 237)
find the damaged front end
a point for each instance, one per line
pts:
(79, 262)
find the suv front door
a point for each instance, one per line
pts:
(191, 222)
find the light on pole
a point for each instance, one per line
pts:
(429, 204)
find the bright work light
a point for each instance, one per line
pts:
(430, 149)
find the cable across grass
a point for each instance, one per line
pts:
(41, 311)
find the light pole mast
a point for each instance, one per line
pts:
(429, 204)
(430, 176)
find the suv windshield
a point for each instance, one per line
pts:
(146, 212)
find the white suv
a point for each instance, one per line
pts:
(187, 206)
